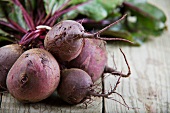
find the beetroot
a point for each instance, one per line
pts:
(66, 39)
(8, 55)
(92, 59)
(76, 86)
(36, 73)
(62, 42)
(34, 76)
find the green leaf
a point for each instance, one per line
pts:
(150, 20)
(3, 38)
(49, 4)
(29, 5)
(8, 7)
(17, 16)
(123, 34)
(77, 1)
(70, 15)
(53, 5)
(119, 31)
(136, 1)
(118, 34)
(152, 11)
(155, 12)
(93, 10)
(1, 12)
(97, 9)
(109, 5)
(12, 11)
(149, 26)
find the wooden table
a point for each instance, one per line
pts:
(147, 90)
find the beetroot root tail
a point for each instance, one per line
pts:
(118, 73)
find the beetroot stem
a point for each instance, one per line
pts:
(56, 12)
(96, 35)
(114, 23)
(115, 72)
(12, 24)
(7, 25)
(20, 29)
(64, 5)
(28, 37)
(52, 19)
(27, 17)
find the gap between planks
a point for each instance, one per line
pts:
(0, 99)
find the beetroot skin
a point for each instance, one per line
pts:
(34, 76)
(62, 42)
(66, 39)
(74, 85)
(8, 55)
(92, 59)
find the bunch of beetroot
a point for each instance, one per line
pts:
(68, 60)
(61, 57)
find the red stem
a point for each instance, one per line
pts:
(27, 17)
(28, 37)
(96, 35)
(7, 24)
(52, 19)
(63, 5)
(20, 29)
(114, 23)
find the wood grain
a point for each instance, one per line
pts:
(147, 90)
(0, 99)
(53, 104)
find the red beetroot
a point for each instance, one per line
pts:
(66, 39)
(92, 59)
(76, 86)
(62, 42)
(34, 76)
(8, 55)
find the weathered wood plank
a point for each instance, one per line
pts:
(51, 105)
(0, 99)
(148, 88)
